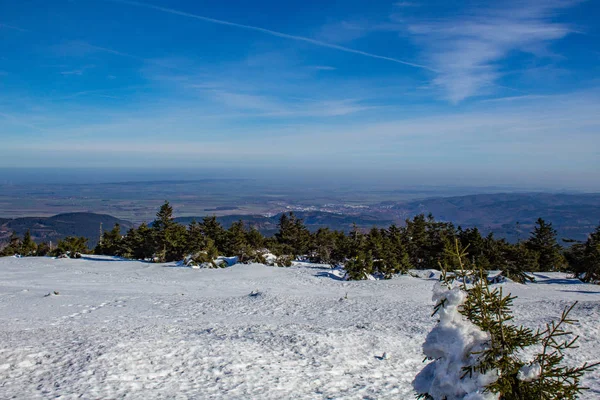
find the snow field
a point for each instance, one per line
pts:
(126, 329)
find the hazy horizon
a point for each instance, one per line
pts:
(366, 180)
(433, 93)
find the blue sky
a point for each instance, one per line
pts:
(471, 91)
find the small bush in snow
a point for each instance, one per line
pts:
(359, 267)
(284, 261)
(475, 349)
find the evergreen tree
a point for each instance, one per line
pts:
(139, 243)
(543, 241)
(111, 243)
(237, 244)
(342, 249)
(164, 217)
(359, 267)
(584, 258)
(418, 241)
(476, 350)
(293, 237)
(28, 246)
(43, 249)
(207, 255)
(170, 237)
(323, 245)
(439, 235)
(389, 257)
(397, 243)
(255, 239)
(72, 247)
(355, 244)
(212, 229)
(176, 239)
(195, 238)
(473, 239)
(13, 247)
(519, 262)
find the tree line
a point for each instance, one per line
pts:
(422, 243)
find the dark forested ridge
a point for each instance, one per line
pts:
(422, 243)
(46, 229)
(508, 215)
(512, 215)
(268, 225)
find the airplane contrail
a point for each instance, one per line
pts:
(271, 32)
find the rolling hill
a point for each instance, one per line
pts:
(44, 229)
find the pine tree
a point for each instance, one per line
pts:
(195, 237)
(176, 239)
(28, 247)
(418, 241)
(170, 237)
(397, 241)
(237, 244)
(342, 249)
(139, 243)
(519, 262)
(322, 246)
(584, 258)
(111, 244)
(255, 239)
(72, 246)
(543, 241)
(212, 229)
(490, 359)
(43, 249)
(355, 244)
(13, 247)
(164, 217)
(473, 239)
(293, 237)
(359, 267)
(207, 255)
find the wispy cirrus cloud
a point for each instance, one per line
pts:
(322, 68)
(81, 48)
(467, 50)
(270, 32)
(253, 105)
(405, 4)
(343, 31)
(12, 27)
(76, 72)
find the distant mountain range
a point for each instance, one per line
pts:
(312, 219)
(45, 229)
(509, 215)
(513, 215)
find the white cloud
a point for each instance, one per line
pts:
(323, 68)
(466, 50)
(405, 4)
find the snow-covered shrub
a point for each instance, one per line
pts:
(284, 261)
(454, 344)
(474, 349)
(359, 267)
(270, 258)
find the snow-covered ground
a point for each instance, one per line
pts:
(137, 330)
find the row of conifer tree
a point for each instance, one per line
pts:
(423, 243)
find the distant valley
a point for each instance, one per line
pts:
(508, 215)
